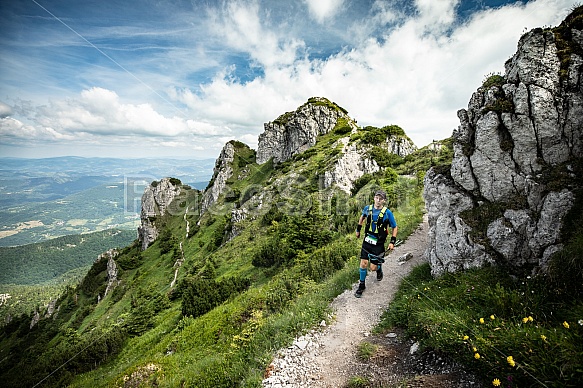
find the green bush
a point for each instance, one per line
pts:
(176, 181)
(273, 252)
(393, 130)
(374, 136)
(322, 262)
(360, 183)
(493, 79)
(145, 304)
(167, 242)
(380, 155)
(342, 127)
(95, 279)
(305, 232)
(129, 261)
(283, 288)
(200, 295)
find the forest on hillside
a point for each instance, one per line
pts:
(41, 262)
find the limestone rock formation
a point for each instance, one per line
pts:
(295, 132)
(156, 200)
(352, 164)
(112, 270)
(516, 134)
(221, 173)
(400, 145)
(35, 319)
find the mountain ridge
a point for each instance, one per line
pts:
(196, 258)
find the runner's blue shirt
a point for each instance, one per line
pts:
(375, 215)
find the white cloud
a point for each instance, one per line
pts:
(15, 130)
(244, 26)
(100, 112)
(434, 15)
(386, 67)
(5, 110)
(417, 76)
(324, 9)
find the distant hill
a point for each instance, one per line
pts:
(46, 198)
(39, 263)
(40, 180)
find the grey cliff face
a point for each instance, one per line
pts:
(450, 248)
(282, 140)
(508, 137)
(155, 202)
(352, 164)
(222, 171)
(112, 270)
(400, 146)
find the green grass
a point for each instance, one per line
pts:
(241, 335)
(482, 317)
(358, 382)
(365, 351)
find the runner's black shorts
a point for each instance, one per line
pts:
(369, 248)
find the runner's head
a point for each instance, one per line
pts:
(379, 198)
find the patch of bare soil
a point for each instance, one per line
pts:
(329, 358)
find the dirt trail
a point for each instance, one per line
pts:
(355, 318)
(327, 357)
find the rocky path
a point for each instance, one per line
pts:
(327, 357)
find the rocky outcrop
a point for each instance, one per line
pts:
(355, 161)
(295, 132)
(400, 145)
(517, 133)
(51, 308)
(112, 270)
(35, 319)
(352, 164)
(222, 171)
(156, 200)
(450, 247)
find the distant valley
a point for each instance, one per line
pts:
(41, 199)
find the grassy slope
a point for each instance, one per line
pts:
(43, 262)
(35, 274)
(230, 344)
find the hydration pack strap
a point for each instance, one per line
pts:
(369, 227)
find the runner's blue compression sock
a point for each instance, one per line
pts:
(362, 274)
(380, 267)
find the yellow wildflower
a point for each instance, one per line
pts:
(496, 382)
(492, 317)
(510, 361)
(466, 337)
(566, 325)
(474, 349)
(543, 337)
(477, 356)
(481, 320)
(530, 319)
(524, 320)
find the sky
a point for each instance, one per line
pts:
(178, 79)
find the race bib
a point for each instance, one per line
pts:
(372, 240)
